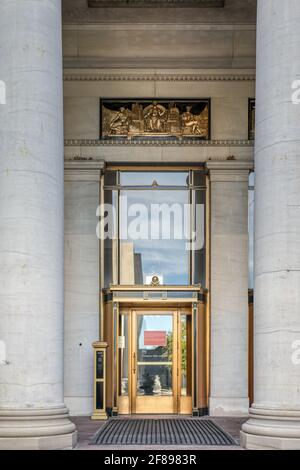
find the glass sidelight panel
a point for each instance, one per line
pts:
(110, 235)
(186, 354)
(199, 251)
(154, 357)
(123, 347)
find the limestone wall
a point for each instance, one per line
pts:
(81, 324)
(138, 53)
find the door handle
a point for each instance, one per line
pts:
(134, 363)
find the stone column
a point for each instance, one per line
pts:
(275, 416)
(83, 320)
(32, 412)
(229, 288)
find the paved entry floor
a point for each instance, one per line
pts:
(87, 429)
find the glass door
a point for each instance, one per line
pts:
(154, 361)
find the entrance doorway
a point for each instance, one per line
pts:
(155, 361)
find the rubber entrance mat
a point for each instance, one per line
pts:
(162, 432)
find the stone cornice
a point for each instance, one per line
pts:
(158, 27)
(229, 170)
(92, 163)
(83, 170)
(85, 164)
(156, 3)
(157, 143)
(221, 165)
(158, 77)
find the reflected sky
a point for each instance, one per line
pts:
(166, 258)
(153, 323)
(158, 245)
(147, 178)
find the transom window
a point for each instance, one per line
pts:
(154, 227)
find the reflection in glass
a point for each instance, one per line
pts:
(110, 242)
(110, 178)
(161, 247)
(147, 178)
(186, 358)
(123, 355)
(199, 252)
(154, 354)
(251, 230)
(154, 380)
(199, 179)
(146, 243)
(155, 338)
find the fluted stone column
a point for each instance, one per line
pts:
(229, 288)
(275, 416)
(32, 412)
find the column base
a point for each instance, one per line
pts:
(271, 429)
(228, 406)
(36, 429)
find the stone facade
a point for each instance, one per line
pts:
(47, 323)
(126, 57)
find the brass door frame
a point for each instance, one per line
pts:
(185, 403)
(180, 404)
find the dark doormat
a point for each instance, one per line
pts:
(162, 432)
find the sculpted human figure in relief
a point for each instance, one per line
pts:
(155, 117)
(190, 121)
(120, 122)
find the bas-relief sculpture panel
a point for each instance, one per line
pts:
(155, 118)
